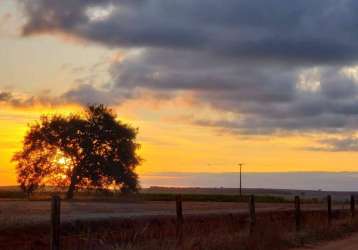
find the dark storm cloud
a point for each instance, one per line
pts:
(86, 94)
(275, 64)
(268, 97)
(170, 70)
(303, 31)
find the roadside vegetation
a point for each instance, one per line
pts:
(274, 230)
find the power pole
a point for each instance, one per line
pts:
(240, 165)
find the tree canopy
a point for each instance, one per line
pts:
(91, 150)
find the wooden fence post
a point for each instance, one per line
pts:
(329, 209)
(353, 205)
(55, 222)
(252, 213)
(298, 213)
(179, 210)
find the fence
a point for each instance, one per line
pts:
(56, 211)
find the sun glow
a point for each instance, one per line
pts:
(62, 168)
(63, 162)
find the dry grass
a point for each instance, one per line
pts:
(274, 230)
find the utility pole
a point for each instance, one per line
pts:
(240, 165)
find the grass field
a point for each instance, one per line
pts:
(273, 230)
(213, 219)
(189, 194)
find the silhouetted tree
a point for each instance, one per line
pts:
(92, 150)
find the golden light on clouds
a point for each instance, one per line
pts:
(174, 146)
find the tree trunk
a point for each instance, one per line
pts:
(71, 188)
(70, 191)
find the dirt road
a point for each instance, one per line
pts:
(349, 243)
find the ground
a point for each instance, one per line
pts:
(150, 218)
(19, 213)
(348, 243)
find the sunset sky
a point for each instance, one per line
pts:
(273, 83)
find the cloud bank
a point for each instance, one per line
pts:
(278, 66)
